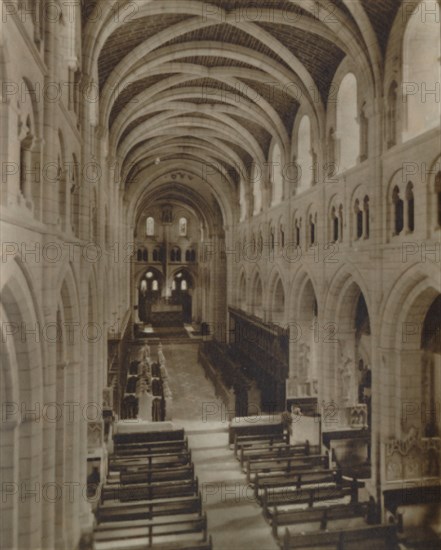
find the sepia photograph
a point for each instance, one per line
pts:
(220, 275)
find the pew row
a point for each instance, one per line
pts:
(262, 450)
(301, 478)
(252, 426)
(151, 461)
(250, 440)
(285, 464)
(152, 529)
(309, 496)
(148, 509)
(150, 491)
(141, 475)
(320, 517)
(149, 437)
(158, 534)
(378, 537)
(126, 450)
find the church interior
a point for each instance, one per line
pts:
(220, 274)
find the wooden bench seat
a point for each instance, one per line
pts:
(142, 449)
(140, 544)
(372, 537)
(151, 461)
(153, 529)
(321, 516)
(288, 497)
(147, 509)
(151, 448)
(150, 475)
(253, 426)
(296, 479)
(260, 450)
(285, 464)
(288, 451)
(103, 529)
(149, 437)
(150, 491)
(249, 440)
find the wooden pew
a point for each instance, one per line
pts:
(285, 464)
(297, 480)
(152, 461)
(127, 450)
(129, 476)
(260, 450)
(145, 533)
(150, 491)
(320, 515)
(141, 545)
(152, 447)
(280, 451)
(148, 509)
(149, 437)
(252, 428)
(371, 537)
(250, 440)
(306, 495)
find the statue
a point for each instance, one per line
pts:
(346, 371)
(146, 352)
(145, 398)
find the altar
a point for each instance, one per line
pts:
(167, 315)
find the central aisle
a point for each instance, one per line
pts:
(235, 519)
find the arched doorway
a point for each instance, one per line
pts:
(354, 350)
(149, 293)
(256, 299)
(182, 290)
(363, 355)
(277, 310)
(431, 370)
(306, 342)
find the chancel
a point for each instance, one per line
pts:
(220, 275)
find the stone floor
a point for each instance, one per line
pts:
(235, 520)
(193, 395)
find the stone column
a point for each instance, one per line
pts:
(9, 475)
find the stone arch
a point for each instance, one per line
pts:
(242, 291)
(305, 158)
(94, 376)
(71, 427)
(276, 297)
(22, 434)
(335, 219)
(276, 165)
(434, 196)
(403, 317)
(257, 189)
(304, 335)
(62, 180)
(243, 201)
(348, 132)
(75, 195)
(344, 336)
(421, 72)
(29, 138)
(257, 294)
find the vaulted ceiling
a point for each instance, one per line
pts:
(218, 81)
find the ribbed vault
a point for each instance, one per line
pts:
(220, 82)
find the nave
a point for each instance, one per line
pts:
(256, 186)
(213, 480)
(197, 477)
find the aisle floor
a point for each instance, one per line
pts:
(235, 520)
